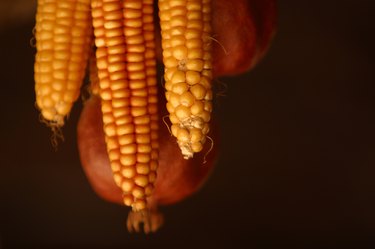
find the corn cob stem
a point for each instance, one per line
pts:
(186, 30)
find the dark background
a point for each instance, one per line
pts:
(297, 162)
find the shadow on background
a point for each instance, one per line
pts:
(297, 161)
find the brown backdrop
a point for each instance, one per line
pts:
(297, 161)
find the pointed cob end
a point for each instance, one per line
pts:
(191, 135)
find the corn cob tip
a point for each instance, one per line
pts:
(51, 121)
(55, 126)
(191, 134)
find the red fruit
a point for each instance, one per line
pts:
(243, 30)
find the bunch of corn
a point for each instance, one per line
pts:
(124, 37)
(186, 31)
(123, 73)
(63, 37)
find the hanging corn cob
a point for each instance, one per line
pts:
(127, 84)
(186, 30)
(63, 36)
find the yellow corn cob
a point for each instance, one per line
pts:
(63, 34)
(186, 30)
(127, 84)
